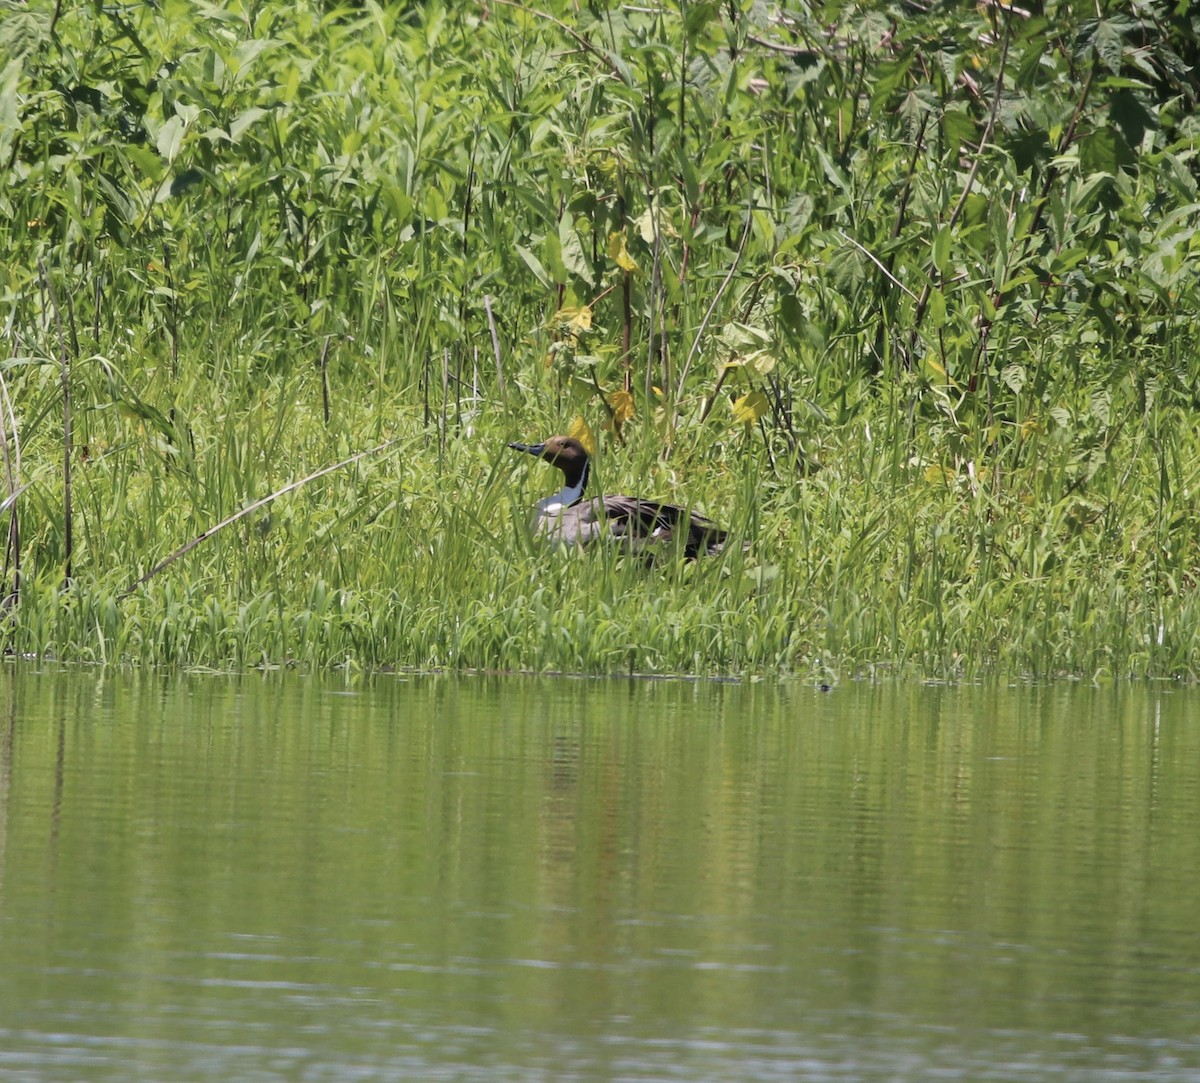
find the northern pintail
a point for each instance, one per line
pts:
(568, 518)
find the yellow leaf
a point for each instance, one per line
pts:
(621, 404)
(750, 407)
(762, 361)
(574, 318)
(580, 430)
(619, 253)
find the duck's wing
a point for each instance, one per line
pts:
(640, 522)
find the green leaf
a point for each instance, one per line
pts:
(170, 138)
(246, 52)
(941, 248)
(574, 258)
(1109, 42)
(243, 120)
(1017, 280)
(791, 313)
(958, 128)
(146, 161)
(1014, 377)
(1131, 117)
(552, 254)
(832, 173)
(691, 178)
(935, 311)
(397, 201)
(1104, 151)
(535, 265)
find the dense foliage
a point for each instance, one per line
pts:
(901, 292)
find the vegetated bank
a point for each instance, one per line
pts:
(902, 297)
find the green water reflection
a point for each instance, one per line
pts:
(286, 877)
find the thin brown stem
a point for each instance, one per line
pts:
(323, 366)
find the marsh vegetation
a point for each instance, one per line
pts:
(902, 294)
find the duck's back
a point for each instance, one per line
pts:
(637, 523)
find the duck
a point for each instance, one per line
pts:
(569, 518)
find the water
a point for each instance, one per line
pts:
(291, 878)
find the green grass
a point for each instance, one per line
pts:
(923, 341)
(421, 557)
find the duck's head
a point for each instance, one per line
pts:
(565, 452)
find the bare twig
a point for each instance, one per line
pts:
(162, 565)
(323, 365)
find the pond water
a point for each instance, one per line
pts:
(279, 877)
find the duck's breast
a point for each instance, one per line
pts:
(578, 524)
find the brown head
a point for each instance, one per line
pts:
(565, 452)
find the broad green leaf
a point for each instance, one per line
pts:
(535, 265)
(1109, 42)
(573, 257)
(244, 120)
(959, 127)
(552, 253)
(941, 248)
(935, 311)
(835, 175)
(397, 202)
(1105, 151)
(1014, 376)
(1131, 117)
(246, 52)
(170, 138)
